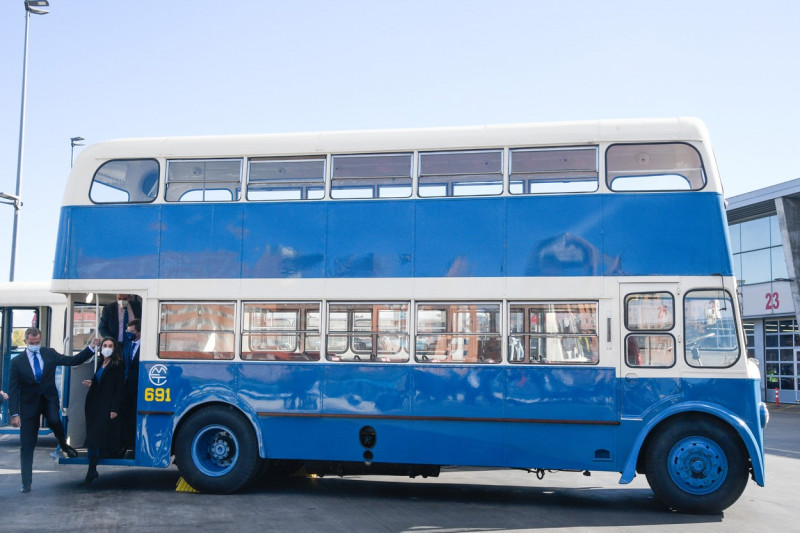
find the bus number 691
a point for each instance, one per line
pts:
(158, 394)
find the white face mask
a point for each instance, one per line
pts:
(123, 303)
(107, 352)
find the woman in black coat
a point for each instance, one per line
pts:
(106, 389)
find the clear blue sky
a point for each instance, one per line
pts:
(105, 69)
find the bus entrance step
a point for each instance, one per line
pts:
(83, 459)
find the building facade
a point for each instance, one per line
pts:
(764, 229)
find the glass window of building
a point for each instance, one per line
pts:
(780, 340)
(757, 250)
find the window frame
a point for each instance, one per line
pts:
(373, 184)
(231, 332)
(649, 334)
(609, 181)
(527, 335)
(528, 180)
(453, 335)
(373, 354)
(449, 180)
(304, 184)
(149, 201)
(301, 335)
(645, 330)
(736, 320)
(234, 198)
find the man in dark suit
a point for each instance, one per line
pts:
(130, 356)
(116, 315)
(33, 393)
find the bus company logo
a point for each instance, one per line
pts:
(158, 375)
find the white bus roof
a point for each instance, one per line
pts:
(370, 141)
(29, 293)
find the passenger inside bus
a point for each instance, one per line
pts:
(633, 356)
(117, 314)
(130, 354)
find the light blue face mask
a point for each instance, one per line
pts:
(34, 348)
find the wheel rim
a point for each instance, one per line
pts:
(698, 465)
(215, 450)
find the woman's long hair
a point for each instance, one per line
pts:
(116, 355)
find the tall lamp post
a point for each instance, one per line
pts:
(35, 7)
(73, 142)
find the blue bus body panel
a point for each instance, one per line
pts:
(577, 235)
(359, 395)
(369, 240)
(646, 402)
(464, 237)
(559, 236)
(108, 242)
(493, 415)
(451, 406)
(546, 392)
(201, 241)
(693, 230)
(287, 401)
(279, 244)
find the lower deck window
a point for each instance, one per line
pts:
(368, 332)
(557, 332)
(280, 332)
(650, 350)
(191, 330)
(710, 329)
(458, 333)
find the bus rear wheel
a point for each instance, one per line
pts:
(697, 466)
(216, 451)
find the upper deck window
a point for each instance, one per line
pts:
(218, 180)
(125, 181)
(371, 176)
(654, 167)
(563, 170)
(286, 179)
(473, 173)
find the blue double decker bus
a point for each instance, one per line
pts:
(540, 296)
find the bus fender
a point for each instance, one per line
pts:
(194, 402)
(750, 441)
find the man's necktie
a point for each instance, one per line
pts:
(37, 369)
(124, 320)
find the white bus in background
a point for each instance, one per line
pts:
(30, 303)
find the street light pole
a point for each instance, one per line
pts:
(31, 6)
(73, 142)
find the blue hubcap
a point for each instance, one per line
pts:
(697, 465)
(215, 450)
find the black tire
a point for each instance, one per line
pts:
(697, 465)
(216, 451)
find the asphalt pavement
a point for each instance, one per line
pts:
(460, 499)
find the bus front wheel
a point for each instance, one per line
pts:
(697, 466)
(216, 451)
